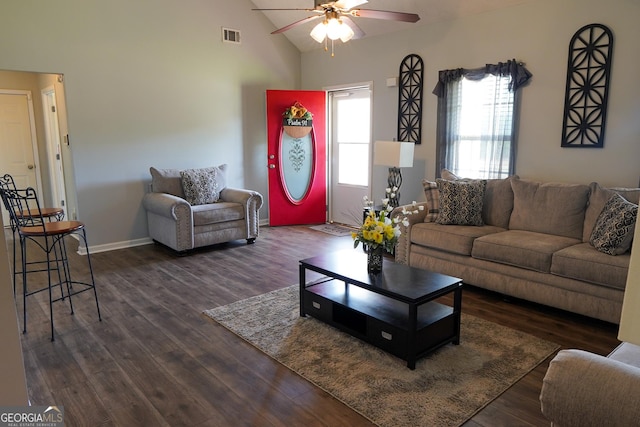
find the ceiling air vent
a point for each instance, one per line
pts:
(230, 36)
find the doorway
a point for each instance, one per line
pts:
(350, 152)
(18, 141)
(39, 86)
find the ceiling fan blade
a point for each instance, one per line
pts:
(348, 4)
(308, 10)
(295, 24)
(385, 14)
(357, 31)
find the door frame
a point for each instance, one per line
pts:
(32, 125)
(330, 153)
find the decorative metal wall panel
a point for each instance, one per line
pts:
(588, 71)
(410, 99)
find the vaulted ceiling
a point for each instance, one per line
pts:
(429, 10)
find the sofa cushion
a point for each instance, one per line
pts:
(614, 228)
(550, 208)
(166, 181)
(498, 202)
(526, 249)
(584, 262)
(457, 239)
(203, 186)
(461, 202)
(217, 212)
(598, 198)
(431, 192)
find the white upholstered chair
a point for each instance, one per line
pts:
(207, 213)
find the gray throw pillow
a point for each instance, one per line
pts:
(202, 186)
(461, 202)
(615, 226)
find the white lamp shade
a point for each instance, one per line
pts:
(346, 33)
(630, 320)
(393, 153)
(334, 29)
(319, 32)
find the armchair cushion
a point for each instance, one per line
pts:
(218, 212)
(166, 181)
(203, 186)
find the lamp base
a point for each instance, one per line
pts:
(394, 182)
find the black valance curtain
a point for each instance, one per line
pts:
(500, 140)
(516, 70)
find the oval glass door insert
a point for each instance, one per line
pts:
(296, 165)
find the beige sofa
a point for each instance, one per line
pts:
(534, 244)
(582, 389)
(215, 213)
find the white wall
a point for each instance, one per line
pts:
(537, 33)
(149, 83)
(13, 387)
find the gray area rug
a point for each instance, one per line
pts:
(333, 229)
(446, 388)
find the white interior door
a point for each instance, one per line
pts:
(54, 151)
(350, 135)
(17, 141)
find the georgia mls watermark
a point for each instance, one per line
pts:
(31, 416)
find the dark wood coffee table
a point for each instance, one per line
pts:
(393, 310)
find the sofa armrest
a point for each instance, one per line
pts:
(166, 205)
(252, 202)
(403, 246)
(586, 389)
(170, 220)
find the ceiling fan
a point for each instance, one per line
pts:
(337, 22)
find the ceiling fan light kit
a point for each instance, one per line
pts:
(337, 24)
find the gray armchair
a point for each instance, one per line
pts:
(582, 389)
(182, 226)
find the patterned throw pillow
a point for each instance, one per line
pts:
(201, 186)
(461, 202)
(615, 226)
(433, 200)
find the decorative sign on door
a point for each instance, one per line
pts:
(296, 152)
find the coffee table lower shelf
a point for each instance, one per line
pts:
(380, 320)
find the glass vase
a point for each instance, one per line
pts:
(374, 259)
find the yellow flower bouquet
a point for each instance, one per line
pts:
(378, 229)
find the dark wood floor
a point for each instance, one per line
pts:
(155, 360)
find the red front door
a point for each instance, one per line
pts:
(296, 157)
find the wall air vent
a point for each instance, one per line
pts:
(230, 36)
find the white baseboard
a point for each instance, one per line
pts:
(116, 245)
(131, 243)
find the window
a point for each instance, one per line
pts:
(477, 111)
(352, 126)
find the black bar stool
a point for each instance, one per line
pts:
(50, 214)
(24, 207)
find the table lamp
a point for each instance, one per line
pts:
(396, 155)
